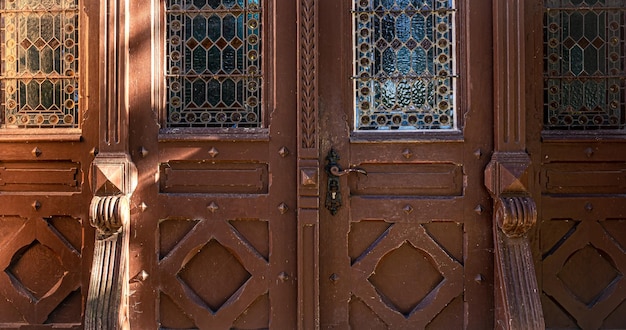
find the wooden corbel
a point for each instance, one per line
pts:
(107, 301)
(113, 179)
(518, 305)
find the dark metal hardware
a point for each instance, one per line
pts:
(337, 171)
(334, 171)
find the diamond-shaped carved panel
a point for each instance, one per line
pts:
(35, 269)
(214, 274)
(587, 273)
(405, 277)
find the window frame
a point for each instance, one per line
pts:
(159, 65)
(460, 45)
(61, 134)
(583, 134)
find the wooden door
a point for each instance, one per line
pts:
(579, 156)
(48, 139)
(404, 94)
(211, 132)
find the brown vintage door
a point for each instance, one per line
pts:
(576, 139)
(48, 132)
(405, 95)
(211, 132)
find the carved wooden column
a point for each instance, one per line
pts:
(113, 178)
(508, 176)
(308, 168)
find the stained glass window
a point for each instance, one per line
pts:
(404, 71)
(39, 70)
(584, 64)
(213, 75)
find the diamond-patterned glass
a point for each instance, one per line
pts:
(39, 71)
(584, 49)
(213, 61)
(404, 72)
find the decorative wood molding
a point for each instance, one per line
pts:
(113, 178)
(509, 75)
(308, 165)
(508, 173)
(515, 216)
(508, 176)
(518, 305)
(307, 77)
(107, 304)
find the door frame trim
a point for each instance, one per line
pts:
(508, 176)
(113, 177)
(308, 191)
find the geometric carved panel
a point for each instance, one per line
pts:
(212, 270)
(617, 319)
(450, 317)
(172, 316)
(401, 274)
(362, 317)
(214, 274)
(587, 273)
(449, 235)
(255, 233)
(554, 233)
(69, 310)
(583, 271)
(256, 316)
(27, 271)
(363, 235)
(406, 276)
(616, 229)
(68, 228)
(554, 314)
(172, 231)
(40, 269)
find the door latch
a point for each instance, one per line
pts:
(334, 171)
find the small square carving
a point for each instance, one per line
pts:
(309, 177)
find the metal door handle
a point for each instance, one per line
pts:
(334, 171)
(337, 171)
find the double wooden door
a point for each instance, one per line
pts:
(249, 228)
(303, 164)
(239, 227)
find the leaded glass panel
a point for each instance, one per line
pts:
(404, 75)
(584, 46)
(39, 71)
(214, 75)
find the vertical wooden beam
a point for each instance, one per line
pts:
(113, 178)
(509, 174)
(308, 167)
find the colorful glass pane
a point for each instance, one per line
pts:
(213, 61)
(404, 75)
(39, 71)
(584, 49)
